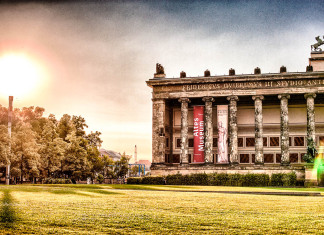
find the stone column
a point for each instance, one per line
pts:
(184, 130)
(208, 129)
(233, 129)
(284, 130)
(258, 129)
(158, 131)
(310, 115)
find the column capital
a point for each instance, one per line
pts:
(232, 97)
(208, 99)
(257, 97)
(284, 96)
(312, 95)
(184, 100)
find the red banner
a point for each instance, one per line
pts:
(198, 133)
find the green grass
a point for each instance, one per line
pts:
(129, 209)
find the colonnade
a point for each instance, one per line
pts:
(159, 135)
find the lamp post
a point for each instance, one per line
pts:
(9, 133)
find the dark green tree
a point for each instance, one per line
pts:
(309, 157)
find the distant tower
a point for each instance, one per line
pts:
(135, 154)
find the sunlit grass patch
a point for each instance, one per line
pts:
(109, 211)
(136, 186)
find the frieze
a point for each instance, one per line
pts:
(300, 83)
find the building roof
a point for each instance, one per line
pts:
(112, 154)
(145, 162)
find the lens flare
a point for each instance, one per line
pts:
(19, 75)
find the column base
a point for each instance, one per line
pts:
(259, 163)
(234, 163)
(285, 164)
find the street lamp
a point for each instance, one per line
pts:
(9, 133)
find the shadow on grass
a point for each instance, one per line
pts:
(137, 187)
(8, 215)
(80, 190)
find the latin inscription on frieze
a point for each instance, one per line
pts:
(242, 85)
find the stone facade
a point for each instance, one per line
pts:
(270, 117)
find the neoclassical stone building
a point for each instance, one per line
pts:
(256, 123)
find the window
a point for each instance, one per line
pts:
(249, 142)
(244, 158)
(293, 157)
(299, 141)
(176, 158)
(265, 142)
(191, 143)
(189, 158)
(240, 142)
(290, 141)
(178, 143)
(167, 159)
(167, 142)
(253, 158)
(268, 158)
(215, 143)
(278, 158)
(274, 141)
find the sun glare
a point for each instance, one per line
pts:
(19, 75)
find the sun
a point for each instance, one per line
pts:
(19, 75)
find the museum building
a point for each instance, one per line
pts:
(251, 123)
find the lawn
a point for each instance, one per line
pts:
(128, 209)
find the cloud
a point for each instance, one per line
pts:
(99, 54)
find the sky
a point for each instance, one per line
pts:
(95, 56)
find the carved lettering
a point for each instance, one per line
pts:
(240, 85)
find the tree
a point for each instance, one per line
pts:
(75, 158)
(309, 157)
(79, 124)
(52, 148)
(65, 126)
(4, 145)
(25, 157)
(135, 169)
(94, 139)
(121, 168)
(109, 166)
(96, 163)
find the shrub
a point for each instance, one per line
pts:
(134, 180)
(57, 181)
(198, 179)
(276, 179)
(289, 179)
(235, 180)
(255, 180)
(222, 179)
(153, 180)
(174, 179)
(219, 179)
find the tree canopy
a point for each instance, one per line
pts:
(46, 147)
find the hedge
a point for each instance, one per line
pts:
(221, 179)
(280, 179)
(146, 180)
(57, 181)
